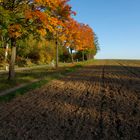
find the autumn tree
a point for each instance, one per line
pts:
(53, 14)
(61, 15)
(20, 18)
(72, 35)
(10, 27)
(43, 19)
(37, 17)
(80, 37)
(86, 39)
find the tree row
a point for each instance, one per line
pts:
(40, 29)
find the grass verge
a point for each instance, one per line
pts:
(31, 86)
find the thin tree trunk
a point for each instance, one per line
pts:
(88, 56)
(83, 56)
(6, 51)
(13, 58)
(71, 55)
(92, 56)
(6, 56)
(56, 65)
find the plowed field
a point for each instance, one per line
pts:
(97, 102)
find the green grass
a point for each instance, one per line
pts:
(44, 74)
(25, 89)
(26, 76)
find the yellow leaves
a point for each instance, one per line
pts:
(53, 21)
(39, 1)
(14, 30)
(50, 28)
(62, 38)
(42, 32)
(49, 3)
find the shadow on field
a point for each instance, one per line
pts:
(88, 112)
(112, 75)
(27, 76)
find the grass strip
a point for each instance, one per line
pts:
(38, 84)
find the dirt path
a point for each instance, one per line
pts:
(9, 91)
(98, 102)
(25, 68)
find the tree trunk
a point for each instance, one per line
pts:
(92, 56)
(13, 58)
(83, 56)
(56, 65)
(71, 55)
(6, 56)
(6, 51)
(88, 56)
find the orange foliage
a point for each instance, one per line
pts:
(86, 37)
(79, 36)
(72, 33)
(28, 14)
(42, 32)
(14, 30)
(55, 16)
(52, 16)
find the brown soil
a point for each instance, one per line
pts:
(98, 102)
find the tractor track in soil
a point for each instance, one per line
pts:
(97, 102)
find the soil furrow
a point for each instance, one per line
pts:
(99, 101)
